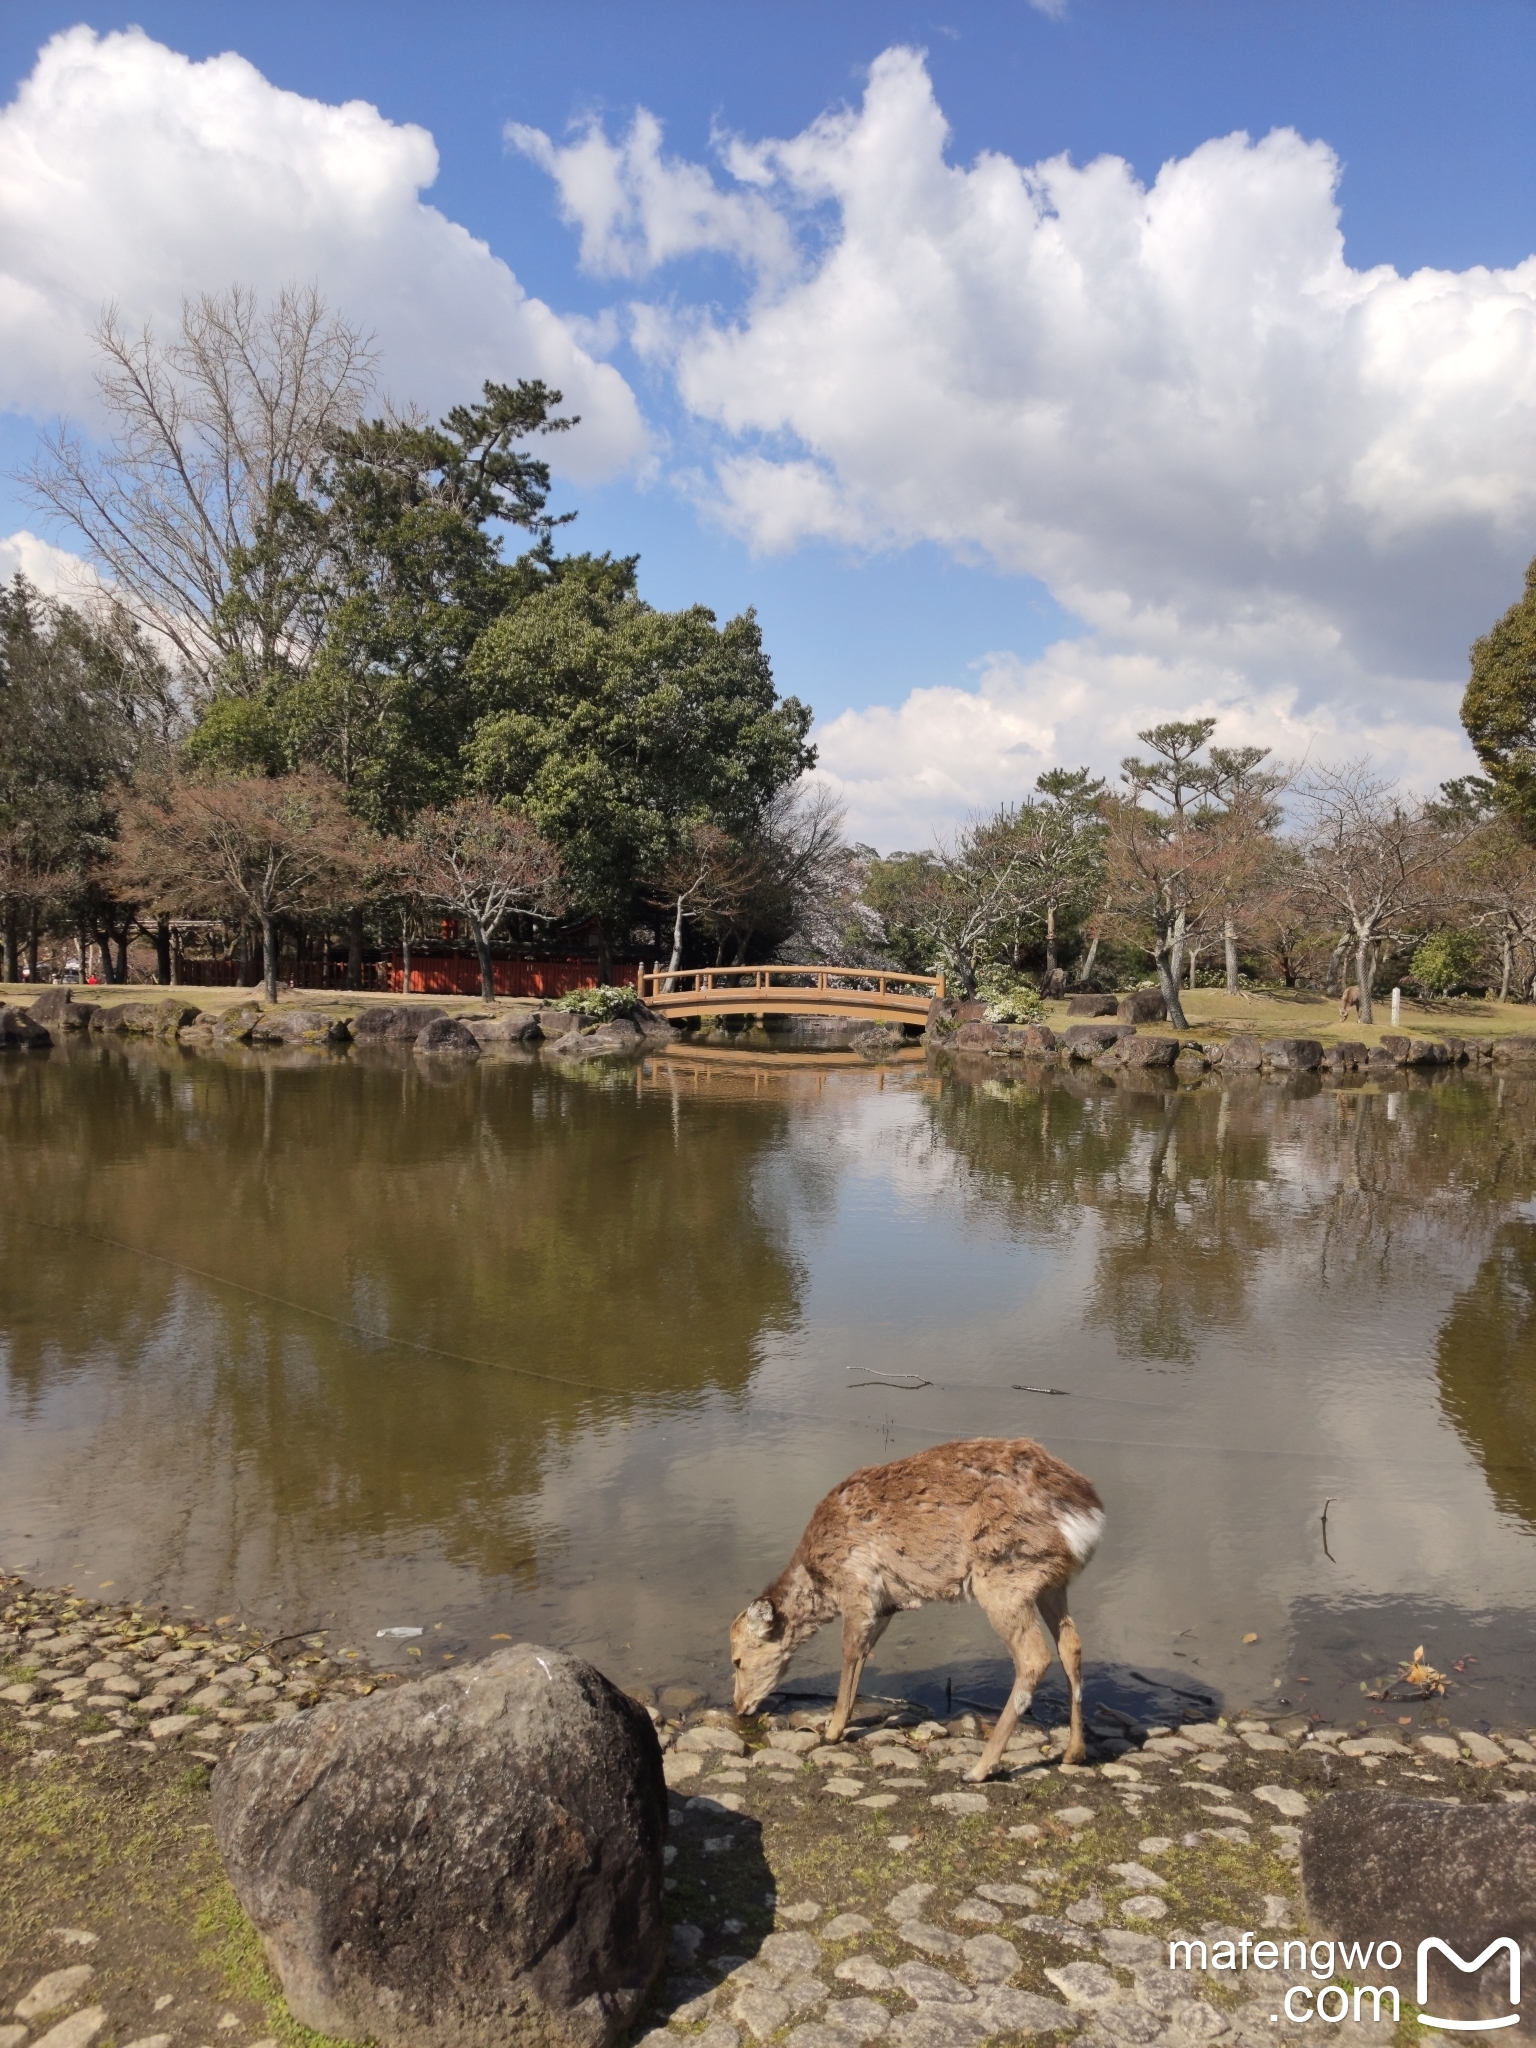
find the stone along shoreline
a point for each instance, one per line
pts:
(819, 1896)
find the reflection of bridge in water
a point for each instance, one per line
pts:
(776, 991)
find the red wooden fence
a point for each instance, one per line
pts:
(458, 974)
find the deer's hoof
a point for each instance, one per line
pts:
(978, 1774)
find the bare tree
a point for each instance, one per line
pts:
(1372, 862)
(254, 849)
(479, 861)
(200, 509)
(1245, 792)
(1496, 878)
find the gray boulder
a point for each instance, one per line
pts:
(386, 1023)
(56, 1008)
(1347, 1055)
(1242, 1055)
(300, 1027)
(1142, 1006)
(235, 1025)
(551, 1023)
(1515, 1052)
(447, 1037)
(1382, 1868)
(651, 1024)
(512, 1027)
(1093, 1006)
(620, 1035)
(1293, 1055)
(1084, 1040)
(1148, 1052)
(471, 1860)
(19, 1033)
(980, 1036)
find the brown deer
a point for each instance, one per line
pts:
(1351, 1002)
(997, 1520)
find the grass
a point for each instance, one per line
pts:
(1300, 1013)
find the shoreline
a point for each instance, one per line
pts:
(1040, 1902)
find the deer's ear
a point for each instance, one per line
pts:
(760, 1619)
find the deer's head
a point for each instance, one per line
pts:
(760, 1649)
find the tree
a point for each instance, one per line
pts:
(1066, 849)
(1244, 792)
(1162, 865)
(1495, 879)
(948, 907)
(619, 729)
(201, 510)
(1499, 707)
(480, 862)
(1373, 864)
(250, 848)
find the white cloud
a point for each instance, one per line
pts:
(130, 173)
(52, 570)
(1226, 450)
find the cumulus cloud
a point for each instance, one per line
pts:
(52, 570)
(129, 173)
(1226, 450)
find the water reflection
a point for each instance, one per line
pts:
(571, 1351)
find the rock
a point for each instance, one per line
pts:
(933, 1941)
(1094, 1006)
(1022, 2012)
(991, 1959)
(1480, 1748)
(1142, 1006)
(455, 1862)
(1519, 1052)
(1058, 1930)
(908, 1904)
(513, 1027)
(300, 1027)
(1284, 1800)
(932, 1987)
(1034, 1040)
(1149, 1052)
(705, 1741)
(1264, 1740)
(1426, 1052)
(1084, 1040)
(789, 1955)
(761, 2010)
(619, 1036)
(1085, 1984)
(1144, 1906)
(865, 1972)
(1241, 1055)
(58, 1989)
(1293, 1055)
(57, 1008)
(980, 1037)
(18, 1033)
(235, 1025)
(1126, 1950)
(960, 1802)
(1378, 1867)
(404, 1024)
(74, 2032)
(979, 1912)
(1346, 1056)
(940, 2026)
(1444, 1746)
(1395, 1047)
(943, 1016)
(446, 1037)
(845, 1925)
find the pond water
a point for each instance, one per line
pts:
(569, 1354)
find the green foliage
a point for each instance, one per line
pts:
(620, 728)
(602, 1004)
(1445, 960)
(1499, 707)
(1009, 998)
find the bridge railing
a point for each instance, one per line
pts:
(711, 984)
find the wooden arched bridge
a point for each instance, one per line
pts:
(778, 991)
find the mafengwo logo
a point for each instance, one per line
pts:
(1504, 1946)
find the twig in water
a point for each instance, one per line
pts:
(1327, 1504)
(903, 1382)
(1038, 1390)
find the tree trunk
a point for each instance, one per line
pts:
(1365, 969)
(32, 938)
(269, 957)
(604, 956)
(676, 960)
(1506, 968)
(1332, 983)
(122, 955)
(355, 947)
(1229, 941)
(1164, 958)
(163, 951)
(483, 955)
(1089, 957)
(84, 945)
(1050, 938)
(405, 956)
(12, 969)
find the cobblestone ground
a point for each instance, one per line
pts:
(819, 1897)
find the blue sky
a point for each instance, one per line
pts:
(1154, 477)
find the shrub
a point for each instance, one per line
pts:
(601, 1004)
(1009, 998)
(1445, 960)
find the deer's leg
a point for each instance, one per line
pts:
(861, 1631)
(1012, 1612)
(1069, 1644)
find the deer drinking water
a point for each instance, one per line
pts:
(997, 1520)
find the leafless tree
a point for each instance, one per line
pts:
(479, 862)
(253, 849)
(199, 510)
(1373, 862)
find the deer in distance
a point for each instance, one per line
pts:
(996, 1520)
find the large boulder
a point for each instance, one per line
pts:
(1084, 1040)
(1515, 1052)
(1293, 1055)
(1346, 1056)
(510, 1027)
(651, 1024)
(235, 1025)
(57, 1008)
(1093, 1006)
(19, 1033)
(447, 1037)
(403, 1025)
(620, 1034)
(977, 1035)
(300, 1027)
(1382, 1868)
(467, 1861)
(1142, 1006)
(1148, 1052)
(1242, 1055)
(552, 1023)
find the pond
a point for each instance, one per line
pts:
(520, 1350)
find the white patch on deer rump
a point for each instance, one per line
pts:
(1080, 1531)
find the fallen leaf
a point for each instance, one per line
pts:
(501, 1639)
(1250, 1639)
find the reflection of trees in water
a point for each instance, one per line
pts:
(1486, 1360)
(1197, 1192)
(518, 1217)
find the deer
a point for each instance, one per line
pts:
(996, 1520)
(1351, 1002)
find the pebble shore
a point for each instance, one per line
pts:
(819, 1896)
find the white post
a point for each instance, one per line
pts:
(1397, 1007)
